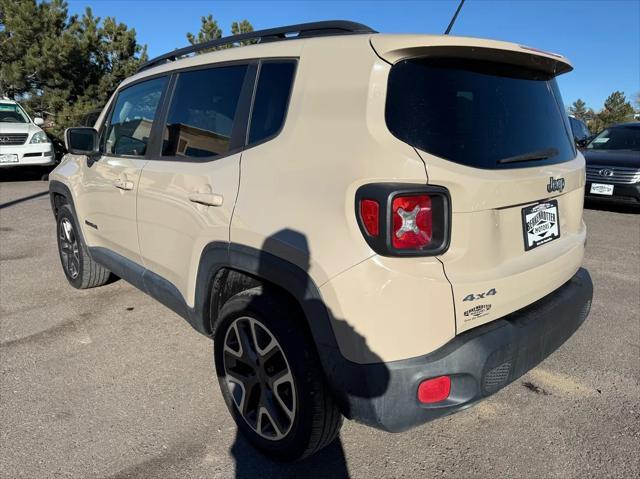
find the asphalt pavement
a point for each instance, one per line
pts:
(109, 383)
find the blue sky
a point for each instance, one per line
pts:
(600, 37)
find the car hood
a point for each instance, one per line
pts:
(14, 128)
(628, 158)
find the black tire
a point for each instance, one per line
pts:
(81, 271)
(316, 419)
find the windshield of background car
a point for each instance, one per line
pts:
(477, 113)
(622, 137)
(12, 113)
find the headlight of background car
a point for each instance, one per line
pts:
(39, 137)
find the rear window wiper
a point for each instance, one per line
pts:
(531, 156)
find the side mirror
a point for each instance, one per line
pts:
(38, 121)
(81, 141)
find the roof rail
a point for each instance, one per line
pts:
(290, 32)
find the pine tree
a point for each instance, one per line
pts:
(62, 66)
(616, 110)
(209, 30)
(580, 111)
(242, 27)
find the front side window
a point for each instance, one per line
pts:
(12, 113)
(202, 112)
(477, 113)
(129, 127)
(271, 100)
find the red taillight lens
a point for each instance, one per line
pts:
(370, 214)
(412, 222)
(434, 390)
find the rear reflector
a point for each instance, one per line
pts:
(412, 222)
(370, 214)
(434, 390)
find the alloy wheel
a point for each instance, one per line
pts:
(69, 249)
(259, 378)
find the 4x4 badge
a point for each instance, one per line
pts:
(474, 297)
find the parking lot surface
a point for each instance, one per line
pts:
(109, 383)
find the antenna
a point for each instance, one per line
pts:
(453, 20)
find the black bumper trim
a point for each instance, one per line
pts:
(480, 361)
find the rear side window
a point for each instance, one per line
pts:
(271, 99)
(132, 117)
(202, 112)
(480, 114)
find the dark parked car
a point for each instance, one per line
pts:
(613, 164)
(581, 133)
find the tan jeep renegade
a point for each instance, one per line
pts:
(382, 227)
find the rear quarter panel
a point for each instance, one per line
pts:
(333, 141)
(297, 201)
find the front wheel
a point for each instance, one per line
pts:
(271, 378)
(81, 270)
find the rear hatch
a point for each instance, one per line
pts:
(488, 121)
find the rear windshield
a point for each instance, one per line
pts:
(480, 114)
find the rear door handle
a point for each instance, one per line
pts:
(207, 199)
(123, 184)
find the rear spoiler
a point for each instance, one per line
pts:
(394, 48)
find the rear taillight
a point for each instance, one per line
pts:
(412, 221)
(404, 220)
(370, 216)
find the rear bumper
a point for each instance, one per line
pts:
(480, 362)
(622, 193)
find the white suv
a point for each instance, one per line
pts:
(22, 141)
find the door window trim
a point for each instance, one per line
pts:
(240, 120)
(242, 123)
(243, 114)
